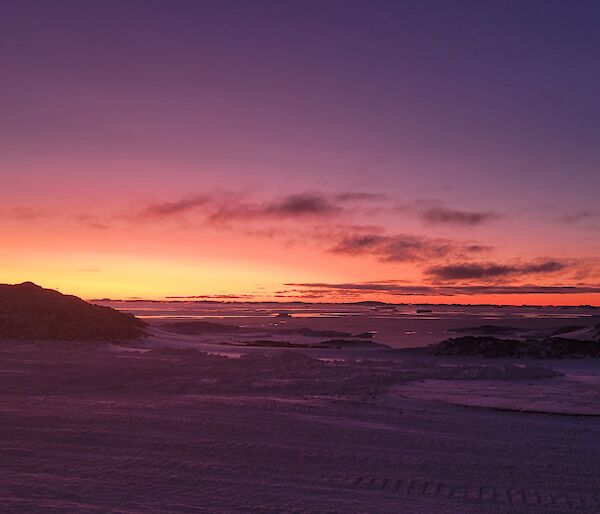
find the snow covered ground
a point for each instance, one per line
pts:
(204, 453)
(163, 426)
(554, 396)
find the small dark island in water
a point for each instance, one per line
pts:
(30, 312)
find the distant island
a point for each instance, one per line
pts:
(30, 312)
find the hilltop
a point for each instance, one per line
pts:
(30, 312)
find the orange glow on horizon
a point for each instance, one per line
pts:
(154, 262)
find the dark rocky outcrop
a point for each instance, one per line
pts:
(30, 312)
(547, 348)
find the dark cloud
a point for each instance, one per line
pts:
(527, 289)
(487, 271)
(30, 214)
(361, 243)
(22, 213)
(301, 205)
(397, 288)
(91, 222)
(579, 216)
(476, 248)
(441, 215)
(398, 247)
(346, 289)
(542, 267)
(167, 209)
(416, 248)
(360, 197)
(223, 207)
(296, 207)
(211, 297)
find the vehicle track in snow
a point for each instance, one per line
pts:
(172, 453)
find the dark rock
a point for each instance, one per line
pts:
(548, 348)
(346, 343)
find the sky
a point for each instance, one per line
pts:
(403, 151)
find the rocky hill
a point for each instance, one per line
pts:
(30, 312)
(545, 348)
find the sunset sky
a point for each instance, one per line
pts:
(406, 151)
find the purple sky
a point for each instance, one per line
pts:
(476, 108)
